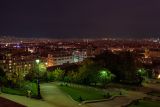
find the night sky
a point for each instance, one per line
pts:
(80, 18)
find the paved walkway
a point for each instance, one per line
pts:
(119, 101)
(153, 86)
(52, 95)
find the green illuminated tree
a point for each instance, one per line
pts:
(50, 76)
(142, 75)
(88, 72)
(105, 76)
(32, 75)
(123, 64)
(58, 74)
(71, 77)
(42, 68)
(142, 72)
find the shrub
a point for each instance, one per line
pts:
(80, 99)
(13, 91)
(32, 87)
(120, 93)
(107, 95)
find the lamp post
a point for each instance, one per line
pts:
(38, 86)
(104, 76)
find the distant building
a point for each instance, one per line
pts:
(64, 57)
(17, 64)
(152, 53)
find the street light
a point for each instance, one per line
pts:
(37, 61)
(159, 76)
(103, 75)
(38, 82)
(103, 72)
(46, 64)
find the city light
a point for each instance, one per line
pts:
(159, 76)
(37, 61)
(94, 53)
(104, 73)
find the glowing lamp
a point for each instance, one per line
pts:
(158, 76)
(37, 61)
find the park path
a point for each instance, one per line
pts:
(119, 101)
(53, 95)
(116, 102)
(153, 86)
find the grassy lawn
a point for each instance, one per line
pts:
(13, 91)
(143, 103)
(23, 90)
(81, 94)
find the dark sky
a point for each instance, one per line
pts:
(80, 18)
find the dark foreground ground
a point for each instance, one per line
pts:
(8, 103)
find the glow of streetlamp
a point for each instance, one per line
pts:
(37, 61)
(140, 70)
(158, 76)
(103, 73)
(38, 83)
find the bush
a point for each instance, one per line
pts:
(80, 99)
(13, 91)
(32, 87)
(25, 86)
(120, 93)
(107, 95)
(136, 102)
(66, 85)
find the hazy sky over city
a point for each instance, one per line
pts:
(80, 18)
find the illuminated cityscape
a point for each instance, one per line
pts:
(18, 59)
(92, 53)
